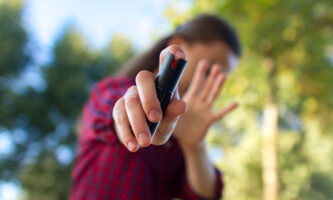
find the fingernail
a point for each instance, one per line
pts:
(155, 115)
(131, 145)
(179, 55)
(143, 139)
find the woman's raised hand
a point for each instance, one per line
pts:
(202, 93)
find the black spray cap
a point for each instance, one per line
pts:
(170, 73)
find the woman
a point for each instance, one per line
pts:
(118, 159)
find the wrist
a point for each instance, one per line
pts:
(190, 150)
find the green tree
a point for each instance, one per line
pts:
(283, 84)
(13, 40)
(75, 67)
(13, 60)
(41, 122)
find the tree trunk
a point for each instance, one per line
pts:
(269, 139)
(269, 152)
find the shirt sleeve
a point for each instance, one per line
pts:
(187, 193)
(97, 114)
(103, 168)
(111, 172)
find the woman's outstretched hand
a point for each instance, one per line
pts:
(139, 102)
(192, 127)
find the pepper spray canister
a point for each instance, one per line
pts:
(166, 82)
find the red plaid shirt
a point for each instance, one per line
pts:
(105, 169)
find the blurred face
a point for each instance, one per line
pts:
(213, 53)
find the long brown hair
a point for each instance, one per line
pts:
(203, 28)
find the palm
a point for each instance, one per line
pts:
(193, 125)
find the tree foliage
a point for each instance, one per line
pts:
(296, 36)
(41, 123)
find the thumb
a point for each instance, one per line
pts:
(169, 121)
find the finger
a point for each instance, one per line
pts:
(145, 84)
(198, 78)
(216, 88)
(207, 88)
(176, 50)
(137, 116)
(225, 111)
(175, 109)
(123, 129)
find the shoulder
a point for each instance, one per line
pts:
(111, 88)
(113, 84)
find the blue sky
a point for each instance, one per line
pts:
(142, 21)
(97, 19)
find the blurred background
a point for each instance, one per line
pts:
(277, 145)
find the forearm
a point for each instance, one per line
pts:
(200, 172)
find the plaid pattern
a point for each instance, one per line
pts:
(105, 169)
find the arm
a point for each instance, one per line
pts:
(99, 164)
(201, 174)
(193, 126)
(198, 176)
(97, 121)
